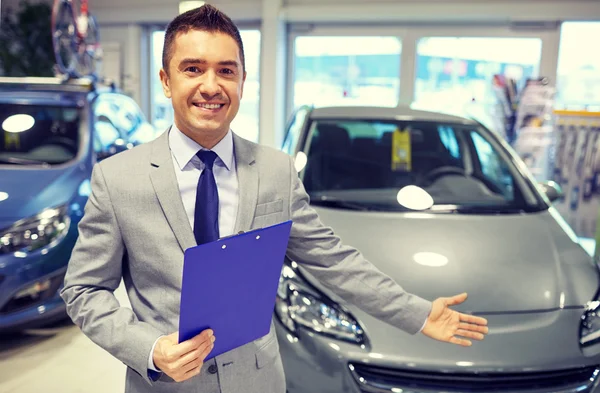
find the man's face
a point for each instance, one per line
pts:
(205, 82)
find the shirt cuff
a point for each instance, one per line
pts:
(422, 327)
(151, 365)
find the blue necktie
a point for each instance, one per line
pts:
(206, 212)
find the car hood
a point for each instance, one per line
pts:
(33, 190)
(506, 263)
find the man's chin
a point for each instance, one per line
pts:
(211, 127)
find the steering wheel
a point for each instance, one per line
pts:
(63, 141)
(433, 175)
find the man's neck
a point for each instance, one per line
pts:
(207, 140)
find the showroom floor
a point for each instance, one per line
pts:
(62, 360)
(58, 360)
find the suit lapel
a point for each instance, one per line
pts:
(165, 185)
(247, 173)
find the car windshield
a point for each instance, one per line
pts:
(38, 134)
(412, 165)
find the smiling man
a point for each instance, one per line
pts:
(196, 183)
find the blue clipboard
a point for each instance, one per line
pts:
(230, 286)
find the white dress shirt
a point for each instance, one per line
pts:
(188, 168)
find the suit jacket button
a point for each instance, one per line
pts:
(212, 369)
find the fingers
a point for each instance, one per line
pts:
(473, 319)
(206, 351)
(183, 360)
(454, 300)
(195, 342)
(194, 358)
(473, 328)
(460, 341)
(470, 334)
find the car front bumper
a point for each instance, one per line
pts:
(314, 363)
(30, 287)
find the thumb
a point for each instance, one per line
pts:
(458, 299)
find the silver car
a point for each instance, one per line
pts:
(444, 206)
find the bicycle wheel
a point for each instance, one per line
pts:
(90, 52)
(64, 37)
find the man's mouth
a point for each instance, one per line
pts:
(208, 106)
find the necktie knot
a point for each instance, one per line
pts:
(208, 157)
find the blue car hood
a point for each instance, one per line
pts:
(32, 190)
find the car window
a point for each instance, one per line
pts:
(38, 134)
(370, 162)
(294, 129)
(492, 166)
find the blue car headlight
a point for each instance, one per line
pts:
(47, 228)
(299, 304)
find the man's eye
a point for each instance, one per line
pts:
(192, 69)
(227, 71)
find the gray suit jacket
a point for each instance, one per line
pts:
(135, 228)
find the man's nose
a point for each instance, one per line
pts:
(209, 87)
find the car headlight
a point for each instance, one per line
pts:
(590, 325)
(299, 304)
(46, 228)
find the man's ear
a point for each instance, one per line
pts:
(164, 80)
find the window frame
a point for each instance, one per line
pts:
(409, 36)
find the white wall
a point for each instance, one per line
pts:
(440, 10)
(162, 11)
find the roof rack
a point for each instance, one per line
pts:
(84, 84)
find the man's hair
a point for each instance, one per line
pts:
(205, 18)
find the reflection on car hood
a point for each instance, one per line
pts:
(506, 263)
(33, 190)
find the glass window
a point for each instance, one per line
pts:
(246, 123)
(578, 80)
(38, 134)
(491, 165)
(347, 71)
(454, 71)
(364, 164)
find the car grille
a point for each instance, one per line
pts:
(16, 305)
(378, 379)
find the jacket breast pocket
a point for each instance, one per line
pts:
(264, 209)
(268, 352)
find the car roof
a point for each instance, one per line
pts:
(382, 113)
(48, 90)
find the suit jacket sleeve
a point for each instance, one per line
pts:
(94, 272)
(345, 271)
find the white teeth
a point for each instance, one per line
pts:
(209, 106)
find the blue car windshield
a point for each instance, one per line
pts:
(413, 165)
(38, 134)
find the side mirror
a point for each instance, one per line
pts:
(552, 190)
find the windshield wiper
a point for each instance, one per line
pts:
(22, 161)
(481, 210)
(339, 204)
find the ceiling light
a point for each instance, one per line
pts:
(18, 123)
(414, 198)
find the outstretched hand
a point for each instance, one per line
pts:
(445, 324)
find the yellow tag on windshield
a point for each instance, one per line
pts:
(11, 138)
(401, 157)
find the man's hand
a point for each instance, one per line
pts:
(182, 361)
(444, 324)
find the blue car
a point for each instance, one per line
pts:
(52, 132)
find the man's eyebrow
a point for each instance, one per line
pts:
(228, 63)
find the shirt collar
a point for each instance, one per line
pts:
(184, 148)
